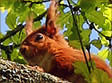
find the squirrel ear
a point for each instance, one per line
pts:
(51, 28)
(29, 25)
(51, 17)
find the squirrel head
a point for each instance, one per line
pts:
(36, 45)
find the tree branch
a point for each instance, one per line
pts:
(11, 72)
(12, 33)
(20, 27)
(39, 2)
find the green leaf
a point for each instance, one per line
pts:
(20, 59)
(71, 32)
(4, 56)
(14, 54)
(36, 24)
(96, 43)
(81, 68)
(107, 26)
(75, 44)
(2, 9)
(99, 76)
(96, 17)
(63, 19)
(108, 12)
(103, 53)
(7, 5)
(7, 42)
(104, 41)
(87, 5)
(21, 11)
(85, 36)
(15, 38)
(110, 57)
(22, 36)
(38, 8)
(11, 20)
(25, 11)
(90, 5)
(18, 37)
(1, 35)
(107, 33)
(96, 75)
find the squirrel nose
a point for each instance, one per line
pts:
(22, 49)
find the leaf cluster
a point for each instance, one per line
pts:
(92, 16)
(96, 75)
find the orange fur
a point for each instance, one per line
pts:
(48, 49)
(29, 25)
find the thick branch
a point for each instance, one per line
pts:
(11, 72)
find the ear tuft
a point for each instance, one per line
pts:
(29, 25)
(51, 29)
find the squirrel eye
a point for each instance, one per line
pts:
(39, 37)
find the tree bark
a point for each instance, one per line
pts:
(12, 72)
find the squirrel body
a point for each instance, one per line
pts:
(55, 56)
(48, 49)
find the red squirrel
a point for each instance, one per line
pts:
(48, 49)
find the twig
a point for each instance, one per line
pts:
(20, 27)
(40, 16)
(39, 2)
(90, 59)
(108, 38)
(63, 5)
(9, 49)
(74, 20)
(13, 32)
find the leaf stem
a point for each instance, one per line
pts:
(39, 2)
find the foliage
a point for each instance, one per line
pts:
(96, 75)
(96, 14)
(18, 11)
(90, 15)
